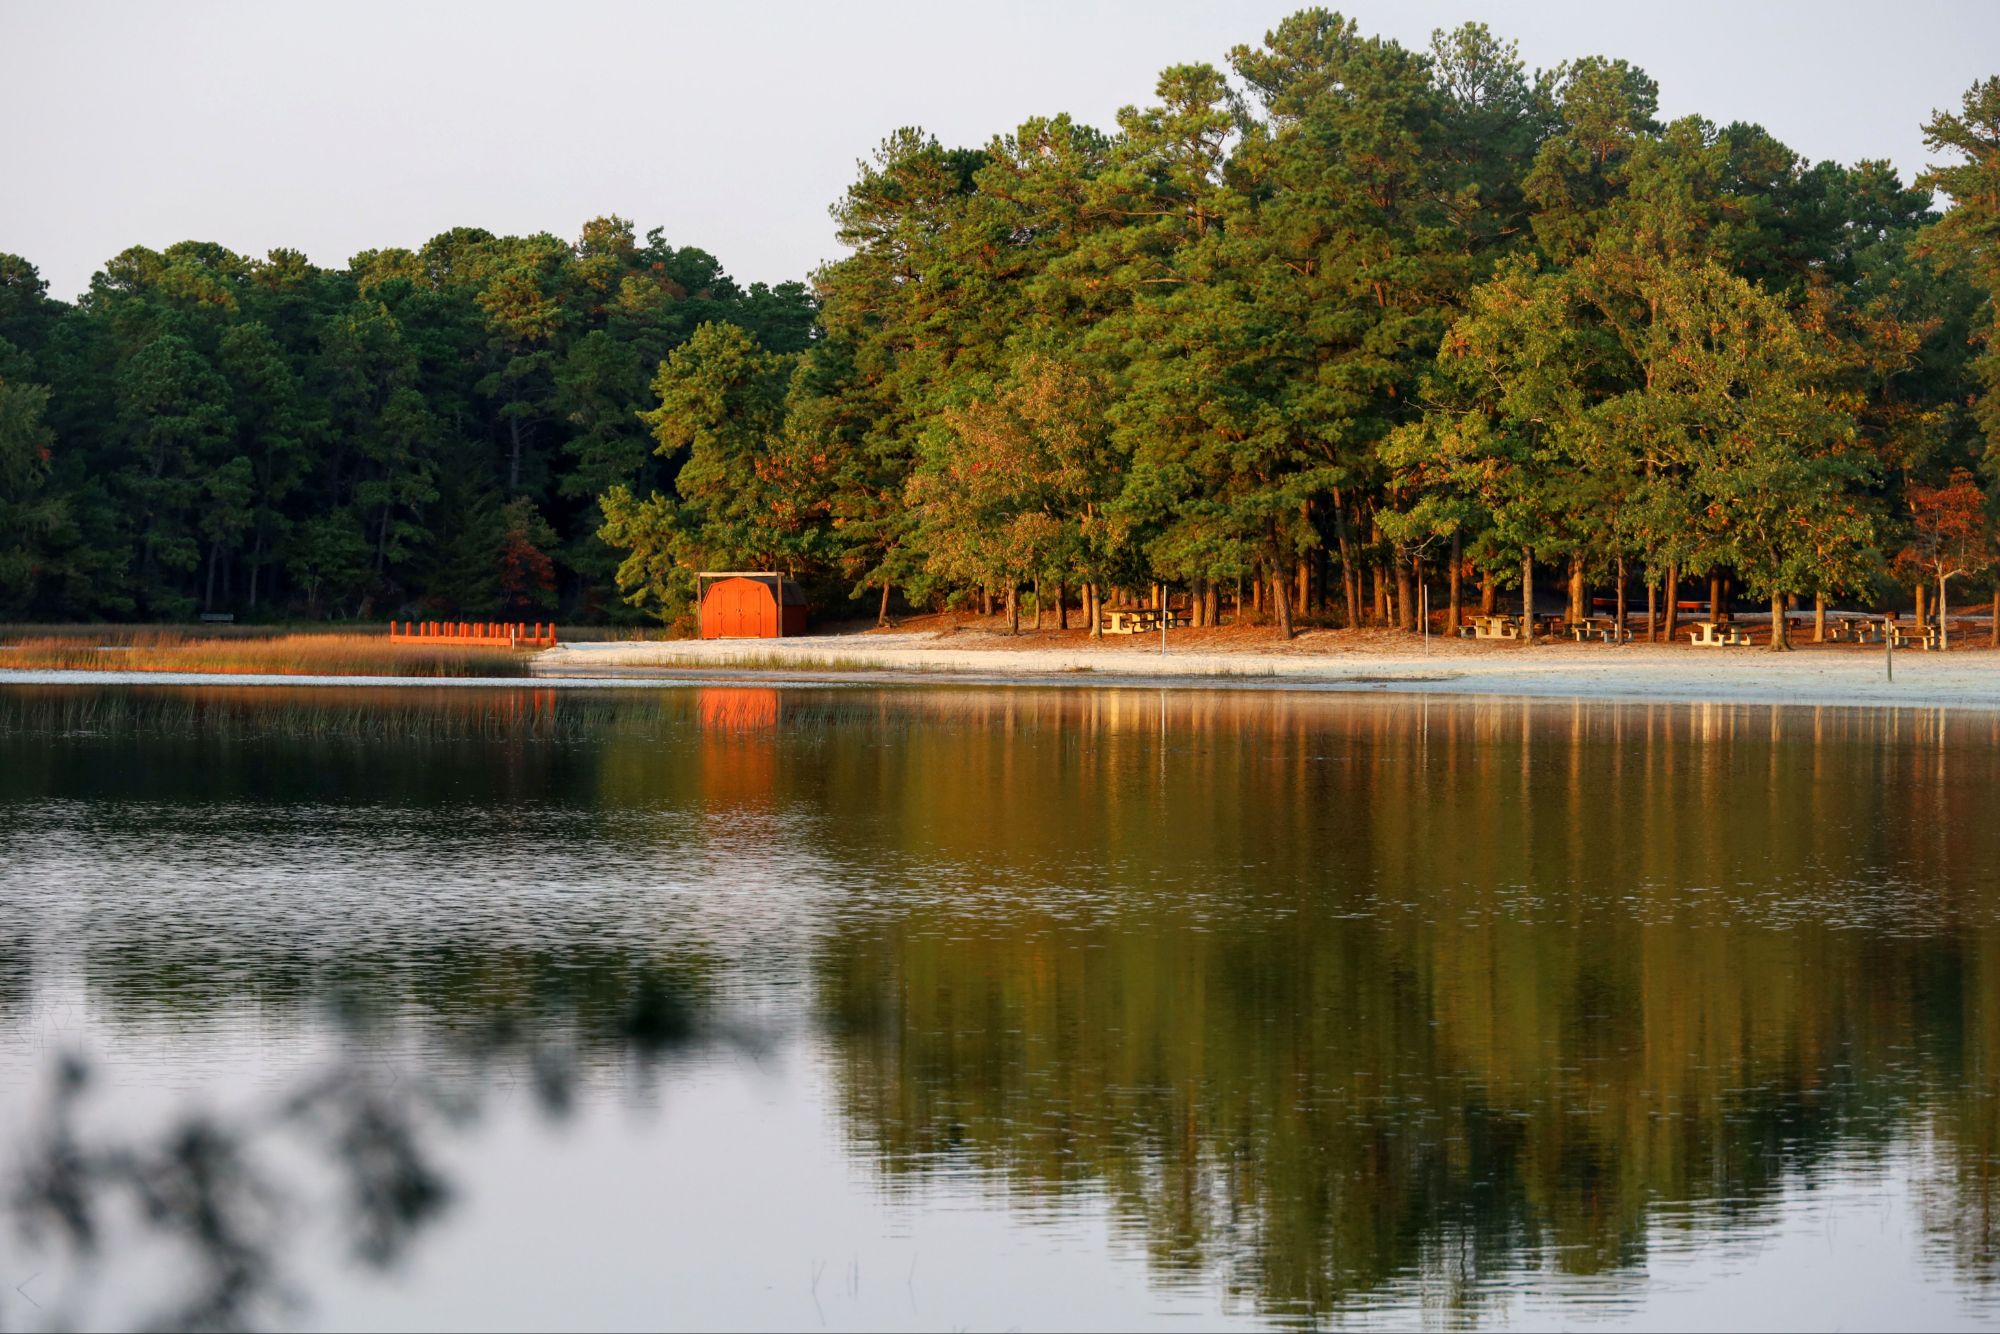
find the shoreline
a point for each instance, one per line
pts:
(1331, 662)
(1318, 662)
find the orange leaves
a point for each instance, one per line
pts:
(1951, 532)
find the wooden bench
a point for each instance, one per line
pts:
(1713, 634)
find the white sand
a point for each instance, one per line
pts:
(1967, 676)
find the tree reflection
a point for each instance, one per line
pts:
(1504, 1007)
(220, 1191)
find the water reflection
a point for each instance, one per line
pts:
(1336, 1002)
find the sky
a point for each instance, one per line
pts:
(336, 128)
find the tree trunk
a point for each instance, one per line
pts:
(1780, 639)
(1527, 598)
(1282, 603)
(1038, 605)
(1489, 592)
(1350, 578)
(1211, 603)
(1577, 594)
(1093, 598)
(256, 567)
(1378, 581)
(208, 593)
(1062, 610)
(1715, 600)
(1652, 607)
(1306, 554)
(1618, 611)
(1944, 635)
(1406, 604)
(1819, 619)
(882, 611)
(1013, 609)
(1921, 608)
(1455, 597)
(1673, 600)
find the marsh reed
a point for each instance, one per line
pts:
(286, 654)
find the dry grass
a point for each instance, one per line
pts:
(282, 655)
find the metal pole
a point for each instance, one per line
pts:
(1427, 617)
(1163, 632)
(1889, 650)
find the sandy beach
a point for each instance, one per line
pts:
(1968, 676)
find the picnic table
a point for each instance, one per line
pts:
(1138, 620)
(1603, 628)
(1492, 627)
(1716, 634)
(1875, 631)
(1880, 629)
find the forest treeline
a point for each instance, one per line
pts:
(1312, 331)
(421, 430)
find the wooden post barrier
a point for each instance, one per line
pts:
(514, 634)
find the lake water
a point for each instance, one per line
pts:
(952, 1007)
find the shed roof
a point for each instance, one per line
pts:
(788, 590)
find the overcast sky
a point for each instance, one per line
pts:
(334, 128)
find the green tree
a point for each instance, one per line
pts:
(744, 494)
(31, 518)
(174, 420)
(1967, 238)
(1006, 489)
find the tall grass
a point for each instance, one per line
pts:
(278, 655)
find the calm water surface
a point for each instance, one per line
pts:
(1038, 1008)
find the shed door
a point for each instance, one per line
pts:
(740, 609)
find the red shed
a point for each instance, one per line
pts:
(750, 604)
